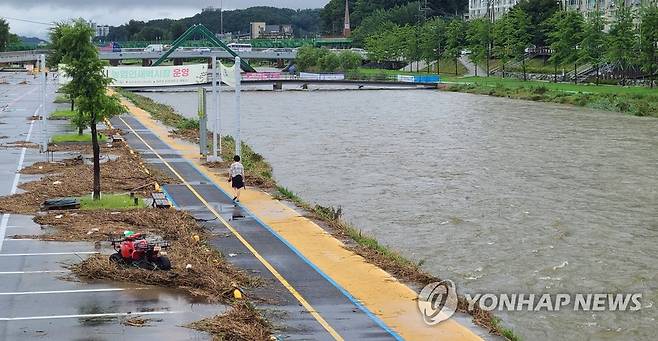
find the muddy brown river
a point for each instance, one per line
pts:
(499, 195)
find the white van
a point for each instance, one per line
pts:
(154, 48)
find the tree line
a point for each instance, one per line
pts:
(305, 22)
(322, 60)
(629, 41)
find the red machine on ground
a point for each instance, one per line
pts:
(140, 250)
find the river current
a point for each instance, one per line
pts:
(498, 195)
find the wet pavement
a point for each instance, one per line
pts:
(36, 300)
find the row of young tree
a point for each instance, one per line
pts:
(72, 46)
(631, 40)
(318, 59)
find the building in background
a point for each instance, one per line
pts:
(495, 9)
(100, 31)
(260, 30)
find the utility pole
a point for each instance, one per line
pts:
(216, 132)
(221, 17)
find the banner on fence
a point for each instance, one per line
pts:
(419, 79)
(322, 76)
(262, 76)
(132, 76)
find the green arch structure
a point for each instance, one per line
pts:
(200, 29)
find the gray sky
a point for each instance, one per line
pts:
(116, 12)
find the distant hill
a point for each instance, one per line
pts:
(32, 40)
(305, 23)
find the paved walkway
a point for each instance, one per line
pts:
(330, 292)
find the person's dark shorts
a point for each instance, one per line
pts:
(237, 181)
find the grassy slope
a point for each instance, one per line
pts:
(639, 101)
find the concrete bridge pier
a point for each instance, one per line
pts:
(146, 62)
(277, 86)
(178, 61)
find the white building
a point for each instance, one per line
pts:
(495, 9)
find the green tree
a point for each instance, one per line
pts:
(593, 45)
(4, 35)
(520, 38)
(455, 41)
(621, 38)
(308, 58)
(565, 39)
(349, 60)
(479, 41)
(432, 41)
(502, 31)
(386, 46)
(539, 11)
(329, 62)
(648, 57)
(89, 85)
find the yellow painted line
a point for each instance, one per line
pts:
(267, 264)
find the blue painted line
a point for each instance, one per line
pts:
(168, 196)
(354, 301)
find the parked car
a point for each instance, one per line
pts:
(154, 48)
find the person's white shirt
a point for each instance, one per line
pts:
(236, 169)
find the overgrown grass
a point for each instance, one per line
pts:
(111, 201)
(639, 101)
(506, 332)
(333, 216)
(258, 171)
(74, 137)
(62, 115)
(62, 99)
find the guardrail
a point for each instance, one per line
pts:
(264, 54)
(21, 56)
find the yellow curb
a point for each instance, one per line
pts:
(389, 299)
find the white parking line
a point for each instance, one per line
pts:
(47, 254)
(14, 185)
(146, 313)
(18, 293)
(32, 272)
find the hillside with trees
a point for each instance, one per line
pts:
(398, 11)
(305, 23)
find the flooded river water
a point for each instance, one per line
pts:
(499, 195)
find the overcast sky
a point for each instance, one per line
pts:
(116, 12)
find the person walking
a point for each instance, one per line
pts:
(236, 177)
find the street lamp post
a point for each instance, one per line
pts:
(238, 80)
(44, 119)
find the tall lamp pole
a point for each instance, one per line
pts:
(221, 17)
